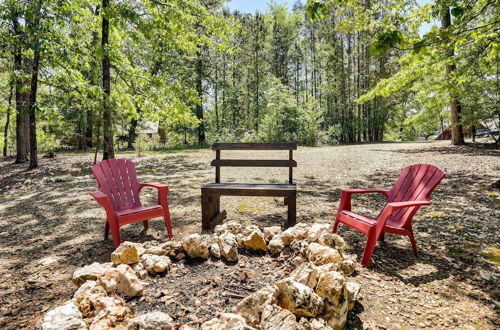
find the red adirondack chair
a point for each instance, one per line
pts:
(119, 192)
(411, 191)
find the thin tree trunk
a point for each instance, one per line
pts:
(32, 106)
(22, 118)
(199, 104)
(457, 133)
(108, 145)
(7, 121)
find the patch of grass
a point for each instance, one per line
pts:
(455, 250)
(248, 207)
(148, 170)
(435, 214)
(492, 255)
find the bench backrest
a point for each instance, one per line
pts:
(290, 163)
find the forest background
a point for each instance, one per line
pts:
(95, 74)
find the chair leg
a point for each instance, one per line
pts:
(106, 230)
(146, 224)
(115, 232)
(335, 226)
(370, 246)
(168, 222)
(413, 243)
(381, 238)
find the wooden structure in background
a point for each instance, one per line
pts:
(210, 194)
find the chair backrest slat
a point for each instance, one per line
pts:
(117, 178)
(416, 182)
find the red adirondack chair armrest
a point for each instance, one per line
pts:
(390, 208)
(100, 197)
(104, 201)
(162, 190)
(399, 205)
(345, 196)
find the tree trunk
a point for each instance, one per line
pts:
(32, 106)
(89, 128)
(457, 133)
(7, 121)
(108, 147)
(199, 104)
(132, 134)
(22, 118)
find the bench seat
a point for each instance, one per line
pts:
(249, 189)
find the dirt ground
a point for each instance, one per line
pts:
(49, 226)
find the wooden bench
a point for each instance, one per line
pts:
(210, 194)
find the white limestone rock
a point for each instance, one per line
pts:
(352, 289)
(315, 231)
(306, 274)
(252, 306)
(299, 231)
(215, 250)
(276, 244)
(196, 246)
(331, 286)
(320, 254)
(155, 264)
(232, 226)
(226, 321)
(228, 246)
(111, 318)
(299, 299)
(255, 240)
(151, 321)
(277, 318)
(89, 272)
(127, 253)
(121, 280)
(270, 232)
(65, 317)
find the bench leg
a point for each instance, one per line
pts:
(205, 212)
(210, 207)
(292, 211)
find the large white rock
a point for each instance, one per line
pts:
(333, 241)
(315, 231)
(276, 244)
(121, 280)
(352, 289)
(228, 246)
(320, 254)
(65, 317)
(151, 321)
(89, 272)
(299, 231)
(86, 296)
(277, 318)
(318, 324)
(172, 248)
(306, 274)
(215, 250)
(111, 318)
(196, 246)
(255, 240)
(331, 286)
(232, 226)
(335, 315)
(127, 253)
(155, 264)
(227, 321)
(270, 232)
(251, 306)
(299, 299)
(347, 266)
